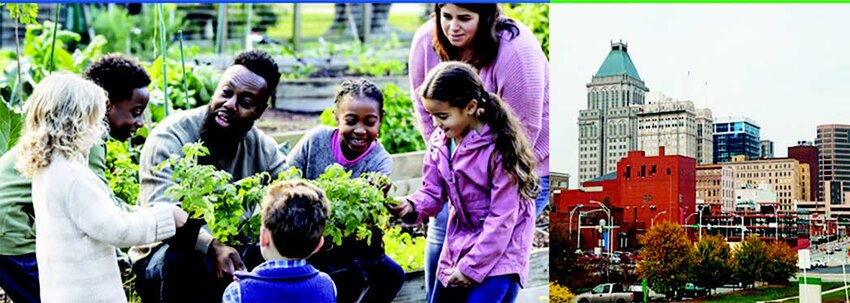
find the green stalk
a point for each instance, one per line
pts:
(55, 29)
(20, 90)
(183, 63)
(220, 30)
(163, 52)
(250, 8)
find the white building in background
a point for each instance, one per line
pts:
(749, 197)
(678, 126)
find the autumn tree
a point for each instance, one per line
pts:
(714, 262)
(781, 263)
(668, 257)
(567, 270)
(748, 260)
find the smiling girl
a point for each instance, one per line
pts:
(511, 64)
(354, 266)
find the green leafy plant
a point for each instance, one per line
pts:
(668, 258)
(399, 132)
(122, 171)
(357, 204)
(11, 122)
(536, 17)
(404, 249)
(136, 34)
(207, 192)
(201, 82)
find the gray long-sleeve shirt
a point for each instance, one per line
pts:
(256, 153)
(313, 154)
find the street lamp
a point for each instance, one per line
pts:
(572, 212)
(776, 218)
(656, 216)
(582, 214)
(700, 220)
(607, 211)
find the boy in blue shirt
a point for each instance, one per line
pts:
(294, 216)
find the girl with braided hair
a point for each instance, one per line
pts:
(354, 266)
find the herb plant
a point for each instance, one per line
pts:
(122, 171)
(404, 249)
(357, 204)
(207, 192)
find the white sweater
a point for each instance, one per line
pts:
(78, 227)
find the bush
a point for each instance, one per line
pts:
(781, 263)
(560, 294)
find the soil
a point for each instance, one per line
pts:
(277, 121)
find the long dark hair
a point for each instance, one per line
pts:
(486, 41)
(458, 84)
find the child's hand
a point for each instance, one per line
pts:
(458, 279)
(401, 210)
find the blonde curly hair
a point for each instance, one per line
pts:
(64, 115)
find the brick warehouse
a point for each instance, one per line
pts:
(643, 188)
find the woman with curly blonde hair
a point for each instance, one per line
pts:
(73, 209)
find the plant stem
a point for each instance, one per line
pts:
(55, 29)
(162, 52)
(20, 77)
(186, 104)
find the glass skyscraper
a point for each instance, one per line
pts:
(735, 136)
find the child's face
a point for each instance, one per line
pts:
(359, 120)
(454, 121)
(125, 116)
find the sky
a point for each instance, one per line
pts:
(785, 66)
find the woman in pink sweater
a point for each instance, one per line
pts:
(511, 64)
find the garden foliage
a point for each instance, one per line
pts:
(122, 171)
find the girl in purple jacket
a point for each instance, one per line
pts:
(481, 162)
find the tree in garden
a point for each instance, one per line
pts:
(714, 262)
(781, 263)
(668, 258)
(748, 260)
(566, 268)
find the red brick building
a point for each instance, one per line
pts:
(643, 188)
(806, 153)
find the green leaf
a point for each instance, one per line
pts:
(11, 123)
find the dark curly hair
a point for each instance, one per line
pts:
(360, 89)
(119, 75)
(263, 65)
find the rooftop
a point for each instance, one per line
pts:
(618, 62)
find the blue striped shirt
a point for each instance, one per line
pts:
(233, 294)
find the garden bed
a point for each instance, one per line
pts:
(316, 94)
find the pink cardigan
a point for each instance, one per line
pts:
(519, 75)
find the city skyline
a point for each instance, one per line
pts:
(779, 65)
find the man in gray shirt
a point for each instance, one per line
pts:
(226, 127)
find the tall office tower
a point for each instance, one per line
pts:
(608, 127)
(833, 143)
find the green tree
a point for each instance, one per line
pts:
(781, 263)
(714, 265)
(669, 257)
(536, 17)
(749, 258)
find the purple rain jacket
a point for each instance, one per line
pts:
(490, 227)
